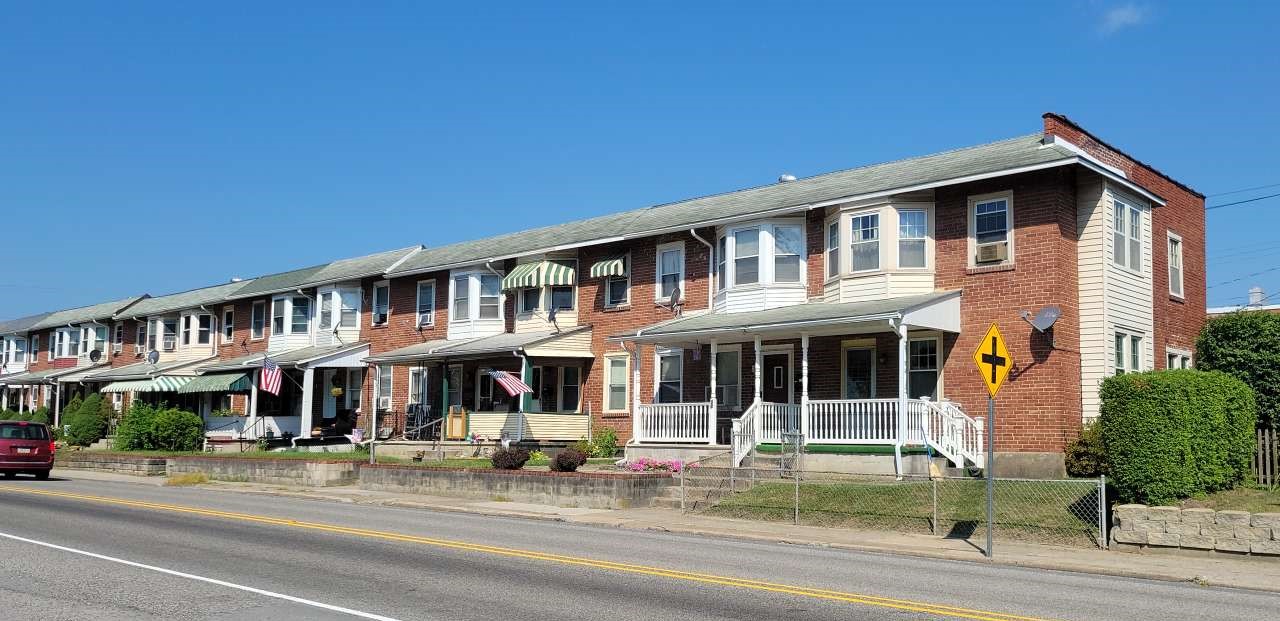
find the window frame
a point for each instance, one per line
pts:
(854, 217)
(765, 258)
(1125, 210)
(1124, 353)
(474, 280)
(799, 254)
(610, 281)
(384, 287)
(573, 298)
(204, 328)
(831, 253)
(937, 361)
(294, 315)
(1183, 357)
(1010, 225)
(721, 386)
(387, 371)
(140, 337)
(923, 239)
(735, 258)
(228, 325)
(1174, 243)
(658, 273)
(430, 314)
(608, 384)
(658, 354)
(279, 302)
(523, 298)
(258, 320)
(417, 377)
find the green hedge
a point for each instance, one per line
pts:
(87, 421)
(150, 428)
(1170, 435)
(1246, 345)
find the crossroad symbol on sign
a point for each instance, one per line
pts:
(993, 360)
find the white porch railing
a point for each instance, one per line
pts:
(947, 429)
(778, 418)
(853, 421)
(744, 437)
(676, 422)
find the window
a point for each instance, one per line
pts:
(35, 348)
(913, 230)
(617, 289)
(746, 257)
(258, 319)
(490, 296)
(1175, 265)
(461, 299)
(326, 311)
(168, 333)
(729, 379)
(186, 330)
(1128, 353)
(530, 299)
(140, 339)
(381, 303)
(68, 344)
(384, 387)
(991, 221)
(417, 385)
(453, 396)
(864, 250)
(922, 380)
(788, 245)
(348, 301)
(562, 298)
(615, 389)
(277, 316)
(355, 387)
(670, 270)
(722, 256)
(228, 324)
(670, 376)
(204, 336)
(118, 339)
(1178, 359)
(53, 346)
(301, 319)
(484, 392)
(570, 388)
(833, 249)
(426, 306)
(1126, 239)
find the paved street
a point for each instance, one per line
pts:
(190, 553)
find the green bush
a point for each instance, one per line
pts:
(510, 459)
(1169, 435)
(1246, 345)
(568, 460)
(40, 415)
(149, 428)
(604, 443)
(133, 433)
(87, 424)
(1086, 457)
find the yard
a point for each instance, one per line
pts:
(1251, 499)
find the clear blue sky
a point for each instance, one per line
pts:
(151, 148)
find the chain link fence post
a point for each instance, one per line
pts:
(1102, 511)
(682, 491)
(935, 505)
(795, 474)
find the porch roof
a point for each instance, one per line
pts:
(557, 344)
(141, 370)
(939, 310)
(297, 358)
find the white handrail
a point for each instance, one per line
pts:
(677, 422)
(744, 438)
(948, 430)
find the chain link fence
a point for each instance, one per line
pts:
(1062, 512)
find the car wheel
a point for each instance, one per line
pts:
(42, 475)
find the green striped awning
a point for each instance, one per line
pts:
(617, 266)
(220, 382)
(169, 383)
(540, 274)
(127, 386)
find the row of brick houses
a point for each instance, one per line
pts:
(827, 305)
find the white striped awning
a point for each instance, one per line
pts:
(617, 266)
(164, 383)
(540, 274)
(126, 386)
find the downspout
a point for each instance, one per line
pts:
(711, 266)
(634, 392)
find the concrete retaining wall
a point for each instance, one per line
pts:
(1139, 527)
(274, 471)
(120, 464)
(594, 490)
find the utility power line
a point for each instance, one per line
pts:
(1260, 187)
(1247, 200)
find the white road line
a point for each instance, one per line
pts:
(298, 600)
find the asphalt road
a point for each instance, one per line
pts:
(130, 551)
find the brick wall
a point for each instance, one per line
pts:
(1177, 320)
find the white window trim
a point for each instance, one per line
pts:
(937, 343)
(764, 255)
(228, 328)
(657, 269)
(560, 385)
(473, 296)
(927, 239)
(1179, 353)
(1117, 201)
(880, 247)
(140, 337)
(312, 322)
(838, 223)
(1127, 350)
(658, 354)
(608, 286)
(373, 304)
(738, 380)
(391, 387)
(626, 383)
(266, 319)
(1010, 223)
(417, 309)
(422, 375)
(1181, 293)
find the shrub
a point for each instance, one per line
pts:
(568, 460)
(134, 431)
(40, 415)
(1169, 435)
(604, 443)
(87, 424)
(510, 459)
(1086, 457)
(149, 428)
(1246, 345)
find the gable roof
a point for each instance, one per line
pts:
(177, 301)
(22, 324)
(96, 312)
(1002, 157)
(343, 269)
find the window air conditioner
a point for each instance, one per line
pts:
(425, 320)
(117, 348)
(384, 403)
(992, 253)
(170, 343)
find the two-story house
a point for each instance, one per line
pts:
(844, 307)
(15, 355)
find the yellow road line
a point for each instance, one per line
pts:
(823, 594)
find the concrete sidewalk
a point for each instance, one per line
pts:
(1210, 569)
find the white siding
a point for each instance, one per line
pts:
(1091, 225)
(1128, 300)
(566, 427)
(759, 298)
(349, 291)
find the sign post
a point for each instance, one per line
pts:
(994, 363)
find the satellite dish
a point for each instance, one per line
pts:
(1044, 319)
(95, 355)
(153, 356)
(673, 302)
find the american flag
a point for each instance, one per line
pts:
(271, 377)
(510, 383)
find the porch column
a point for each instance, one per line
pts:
(4, 398)
(308, 386)
(526, 373)
(804, 386)
(253, 402)
(758, 367)
(635, 393)
(22, 399)
(711, 430)
(902, 397)
(57, 406)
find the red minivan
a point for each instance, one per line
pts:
(25, 447)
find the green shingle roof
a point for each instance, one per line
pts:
(343, 269)
(177, 301)
(20, 325)
(275, 283)
(96, 312)
(779, 197)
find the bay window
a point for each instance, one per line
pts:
(277, 316)
(461, 299)
(476, 295)
(291, 315)
(746, 257)
(864, 249)
(301, 317)
(490, 296)
(833, 249)
(762, 253)
(913, 231)
(788, 244)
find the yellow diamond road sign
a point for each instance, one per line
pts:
(993, 360)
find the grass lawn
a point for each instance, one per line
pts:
(1251, 499)
(456, 462)
(1054, 511)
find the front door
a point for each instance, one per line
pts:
(777, 378)
(859, 369)
(329, 403)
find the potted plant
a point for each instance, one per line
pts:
(417, 457)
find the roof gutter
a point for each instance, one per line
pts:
(711, 262)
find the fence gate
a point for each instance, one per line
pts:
(792, 447)
(1266, 460)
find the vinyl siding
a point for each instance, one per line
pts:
(1091, 224)
(1128, 301)
(566, 427)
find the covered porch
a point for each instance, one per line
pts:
(866, 373)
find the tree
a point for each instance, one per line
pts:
(1246, 345)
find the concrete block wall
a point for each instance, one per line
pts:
(272, 471)
(1138, 527)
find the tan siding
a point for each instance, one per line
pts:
(564, 427)
(1090, 224)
